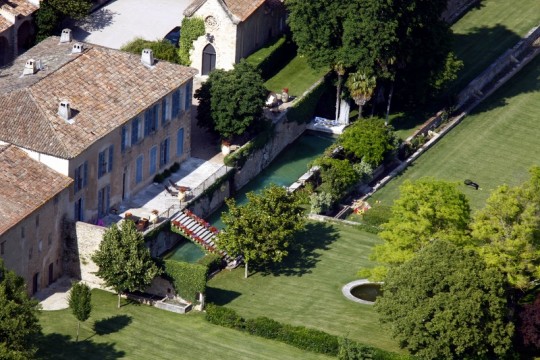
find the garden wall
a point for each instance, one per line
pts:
(457, 8)
(212, 199)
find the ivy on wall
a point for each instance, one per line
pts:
(188, 279)
(191, 30)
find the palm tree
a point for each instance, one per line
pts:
(339, 68)
(361, 88)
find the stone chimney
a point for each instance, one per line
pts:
(65, 37)
(147, 57)
(64, 110)
(77, 48)
(30, 67)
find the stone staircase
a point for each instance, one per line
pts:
(199, 231)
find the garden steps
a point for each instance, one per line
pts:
(198, 233)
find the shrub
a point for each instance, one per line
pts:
(192, 28)
(337, 176)
(310, 339)
(350, 350)
(364, 170)
(162, 49)
(320, 202)
(188, 279)
(264, 327)
(212, 262)
(175, 167)
(222, 316)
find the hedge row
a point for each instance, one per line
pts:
(273, 57)
(304, 109)
(188, 279)
(299, 336)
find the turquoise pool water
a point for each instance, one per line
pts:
(283, 171)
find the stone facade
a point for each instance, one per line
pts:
(230, 35)
(16, 28)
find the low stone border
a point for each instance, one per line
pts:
(346, 290)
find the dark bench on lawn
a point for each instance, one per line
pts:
(471, 184)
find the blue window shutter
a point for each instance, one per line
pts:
(76, 177)
(124, 139)
(107, 198)
(76, 211)
(100, 203)
(139, 170)
(166, 151)
(135, 131)
(85, 174)
(101, 160)
(153, 160)
(147, 115)
(175, 103)
(164, 111)
(156, 117)
(180, 142)
(81, 213)
(188, 96)
(111, 155)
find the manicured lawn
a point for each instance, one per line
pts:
(297, 76)
(143, 332)
(307, 289)
(486, 32)
(494, 146)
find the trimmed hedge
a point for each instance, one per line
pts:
(188, 279)
(273, 57)
(211, 261)
(304, 109)
(298, 336)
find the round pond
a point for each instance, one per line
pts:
(362, 291)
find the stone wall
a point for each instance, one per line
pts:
(285, 133)
(208, 203)
(82, 241)
(457, 8)
(511, 58)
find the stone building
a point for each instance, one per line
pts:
(33, 199)
(110, 120)
(16, 28)
(234, 29)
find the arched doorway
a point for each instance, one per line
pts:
(24, 37)
(208, 59)
(4, 51)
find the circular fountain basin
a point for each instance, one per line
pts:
(362, 291)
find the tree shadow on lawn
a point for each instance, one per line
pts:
(112, 324)
(221, 296)
(57, 346)
(306, 252)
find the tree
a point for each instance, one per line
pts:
(80, 303)
(508, 231)
(426, 210)
(446, 303)
(123, 259)
(51, 13)
(19, 325)
(361, 87)
(262, 230)
(231, 102)
(162, 49)
(529, 324)
(370, 141)
(337, 176)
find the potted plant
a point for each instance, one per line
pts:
(285, 95)
(154, 216)
(225, 147)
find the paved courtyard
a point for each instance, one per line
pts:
(120, 21)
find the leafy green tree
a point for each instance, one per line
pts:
(446, 303)
(231, 102)
(337, 176)
(508, 231)
(19, 325)
(262, 230)
(361, 88)
(80, 303)
(123, 259)
(51, 13)
(162, 49)
(426, 210)
(370, 140)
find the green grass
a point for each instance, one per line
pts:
(306, 289)
(297, 76)
(496, 145)
(144, 332)
(480, 37)
(486, 32)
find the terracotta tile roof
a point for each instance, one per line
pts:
(105, 87)
(4, 24)
(18, 7)
(25, 185)
(241, 9)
